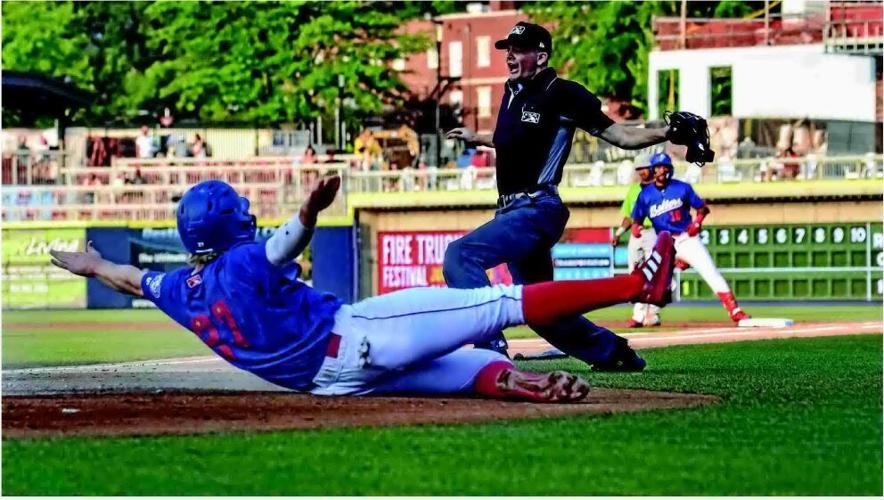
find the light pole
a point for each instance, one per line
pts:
(340, 99)
(437, 24)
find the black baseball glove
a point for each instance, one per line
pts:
(688, 129)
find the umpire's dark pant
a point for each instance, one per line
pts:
(521, 235)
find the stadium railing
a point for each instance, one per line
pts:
(33, 167)
(277, 188)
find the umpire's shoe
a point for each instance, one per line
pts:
(498, 345)
(623, 359)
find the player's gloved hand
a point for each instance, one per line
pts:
(636, 230)
(694, 229)
(615, 240)
(79, 263)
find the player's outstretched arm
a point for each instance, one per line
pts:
(468, 136)
(632, 137)
(120, 277)
(291, 238)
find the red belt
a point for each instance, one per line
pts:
(334, 343)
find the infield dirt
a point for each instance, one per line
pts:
(190, 413)
(148, 398)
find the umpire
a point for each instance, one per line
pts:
(535, 127)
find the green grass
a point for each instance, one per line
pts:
(797, 417)
(37, 338)
(682, 313)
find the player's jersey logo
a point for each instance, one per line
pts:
(194, 281)
(153, 284)
(530, 117)
(665, 206)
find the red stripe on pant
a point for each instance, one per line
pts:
(546, 303)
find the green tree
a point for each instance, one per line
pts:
(36, 38)
(260, 63)
(268, 63)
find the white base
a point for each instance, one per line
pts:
(765, 322)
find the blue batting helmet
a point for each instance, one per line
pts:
(212, 217)
(662, 159)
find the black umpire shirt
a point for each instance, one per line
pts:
(535, 128)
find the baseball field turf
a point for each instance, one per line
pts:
(796, 417)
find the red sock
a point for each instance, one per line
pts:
(545, 303)
(486, 380)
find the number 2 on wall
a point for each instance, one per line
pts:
(203, 326)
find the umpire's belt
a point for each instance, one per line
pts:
(506, 200)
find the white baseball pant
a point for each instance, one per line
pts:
(637, 249)
(409, 341)
(691, 250)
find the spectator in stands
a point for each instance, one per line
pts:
(369, 149)
(198, 149)
(780, 168)
(23, 151)
(99, 155)
(481, 159)
(466, 158)
(308, 160)
(790, 169)
(138, 178)
(176, 146)
(330, 156)
(145, 145)
(93, 180)
(309, 156)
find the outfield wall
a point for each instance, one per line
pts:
(819, 240)
(30, 281)
(773, 250)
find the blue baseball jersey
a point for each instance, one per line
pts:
(669, 208)
(257, 316)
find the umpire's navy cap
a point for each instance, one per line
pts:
(528, 36)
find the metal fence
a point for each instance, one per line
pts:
(276, 188)
(33, 168)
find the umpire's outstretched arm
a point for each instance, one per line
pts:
(633, 137)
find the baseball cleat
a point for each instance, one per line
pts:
(656, 270)
(554, 387)
(634, 324)
(738, 315)
(623, 359)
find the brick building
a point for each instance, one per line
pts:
(467, 53)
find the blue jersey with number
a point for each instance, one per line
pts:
(257, 316)
(669, 208)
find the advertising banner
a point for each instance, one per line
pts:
(30, 280)
(408, 259)
(586, 253)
